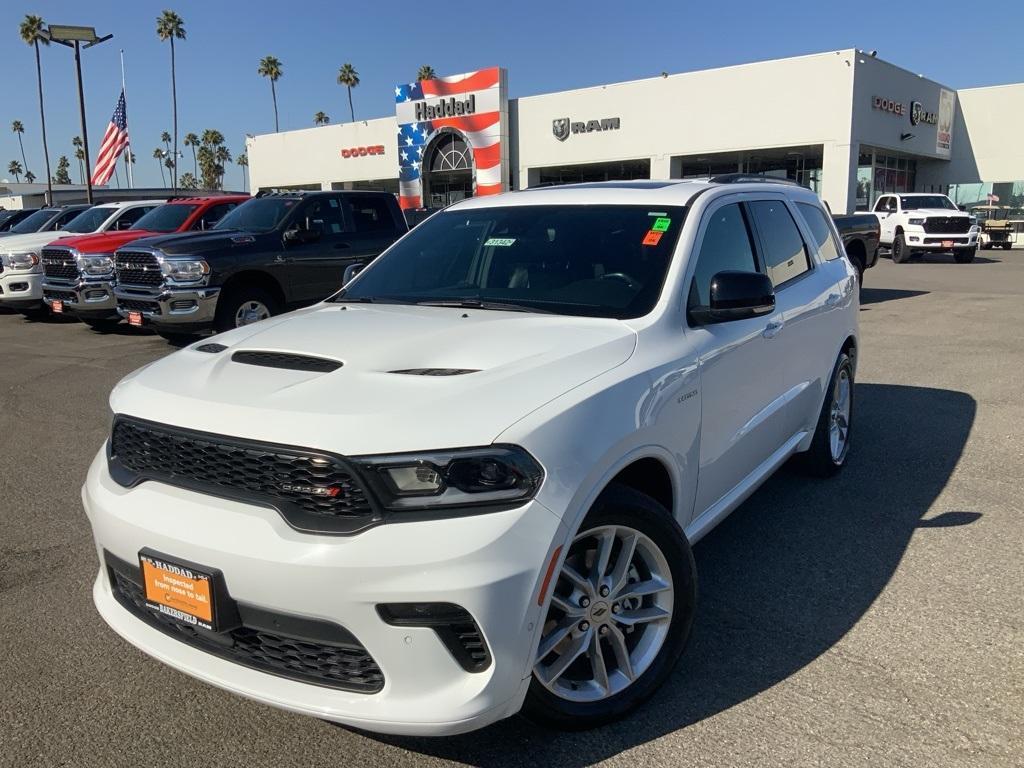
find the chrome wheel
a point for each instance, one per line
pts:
(610, 612)
(251, 312)
(839, 417)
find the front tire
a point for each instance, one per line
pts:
(619, 615)
(831, 442)
(899, 250)
(964, 256)
(243, 305)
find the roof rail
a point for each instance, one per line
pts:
(751, 178)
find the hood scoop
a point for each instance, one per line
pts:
(436, 371)
(286, 360)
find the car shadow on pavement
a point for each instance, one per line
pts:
(878, 295)
(782, 580)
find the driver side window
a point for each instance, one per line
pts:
(726, 246)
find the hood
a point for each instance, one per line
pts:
(101, 242)
(32, 241)
(522, 361)
(195, 243)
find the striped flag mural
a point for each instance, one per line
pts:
(473, 104)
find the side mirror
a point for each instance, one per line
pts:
(740, 295)
(351, 271)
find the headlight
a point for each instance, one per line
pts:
(916, 222)
(100, 264)
(185, 270)
(22, 260)
(495, 475)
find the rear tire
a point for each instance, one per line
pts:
(102, 326)
(831, 443)
(964, 256)
(899, 250)
(611, 659)
(242, 305)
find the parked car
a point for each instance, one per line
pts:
(24, 289)
(920, 222)
(79, 271)
(860, 233)
(8, 219)
(47, 219)
(469, 482)
(275, 252)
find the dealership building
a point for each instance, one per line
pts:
(846, 123)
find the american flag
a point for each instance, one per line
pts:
(114, 142)
(482, 130)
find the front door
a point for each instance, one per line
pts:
(314, 264)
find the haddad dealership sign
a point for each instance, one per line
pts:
(563, 127)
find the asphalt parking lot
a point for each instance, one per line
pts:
(873, 619)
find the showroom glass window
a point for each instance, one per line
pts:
(726, 246)
(784, 253)
(823, 237)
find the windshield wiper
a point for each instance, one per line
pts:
(479, 304)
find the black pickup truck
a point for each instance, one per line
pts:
(860, 233)
(273, 253)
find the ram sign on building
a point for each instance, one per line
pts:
(845, 123)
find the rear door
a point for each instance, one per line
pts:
(314, 268)
(372, 226)
(885, 209)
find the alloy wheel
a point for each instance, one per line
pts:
(251, 312)
(610, 612)
(839, 417)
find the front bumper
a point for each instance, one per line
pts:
(21, 290)
(920, 240)
(179, 309)
(490, 564)
(83, 298)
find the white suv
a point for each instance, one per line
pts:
(468, 483)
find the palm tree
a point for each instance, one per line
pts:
(188, 181)
(321, 118)
(165, 137)
(191, 140)
(14, 168)
(19, 129)
(169, 26)
(242, 161)
(426, 73)
(348, 77)
(62, 176)
(30, 177)
(31, 30)
(222, 155)
(76, 142)
(270, 67)
(158, 155)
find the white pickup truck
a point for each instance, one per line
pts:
(912, 223)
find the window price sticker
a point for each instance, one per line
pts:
(652, 238)
(501, 242)
(661, 224)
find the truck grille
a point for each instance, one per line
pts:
(137, 268)
(946, 224)
(138, 305)
(59, 264)
(338, 660)
(315, 492)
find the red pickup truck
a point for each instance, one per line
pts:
(79, 271)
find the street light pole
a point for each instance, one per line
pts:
(85, 131)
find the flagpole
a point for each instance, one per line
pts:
(128, 149)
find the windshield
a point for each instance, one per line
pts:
(165, 218)
(35, 222)
(89, 220)
(927, 201)
(261, 214)
(596, 261)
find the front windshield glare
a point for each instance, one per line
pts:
(88, 220)
(591, 260)
(928, 201)
(33, 222)
(261, 214)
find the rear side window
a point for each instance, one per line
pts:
(726, 246)
(371, 213)
(785, 256)
(823, 237)
(323, 215)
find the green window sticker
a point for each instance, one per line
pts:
(661, 224)
(502, 242)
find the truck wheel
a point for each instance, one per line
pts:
(964, 255)
(102, 326)
(859, 266)
(1007, 246)
(899, 250)
(243, 305)
(986, 246)
(831, 442)
(619, 614)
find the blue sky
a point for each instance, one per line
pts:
(546, 46)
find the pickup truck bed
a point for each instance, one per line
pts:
(860, 233)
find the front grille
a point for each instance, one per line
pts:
(137, 268)
(940, 240)
(59, 264)
(340, 662)
(314, 492)
(946, 224)
(286, 360)
(139, 306)
(68, 297)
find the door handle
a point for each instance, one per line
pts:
(772, 329)
(833, 299)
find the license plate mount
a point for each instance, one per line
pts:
(57, 306)
(135, 318)
(187, 592)
(947, 243)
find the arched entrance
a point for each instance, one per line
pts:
(447, 170)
